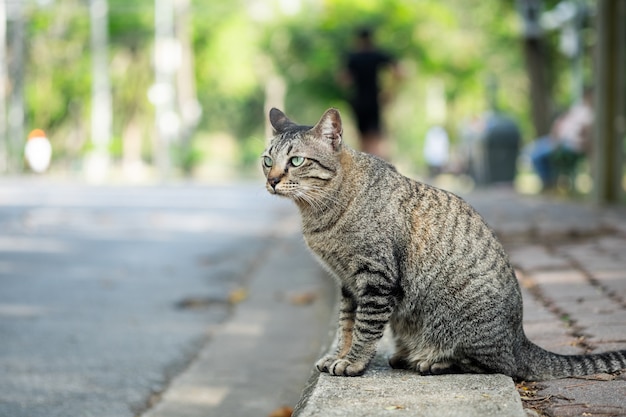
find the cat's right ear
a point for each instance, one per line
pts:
(279, 121)
(330, 128)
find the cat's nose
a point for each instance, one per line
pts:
(273, 181)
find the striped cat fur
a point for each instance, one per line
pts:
(410, 256)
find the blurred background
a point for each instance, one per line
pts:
(153, 90)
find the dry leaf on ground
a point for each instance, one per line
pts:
(282, 412)
(303, 298)
(238, 295)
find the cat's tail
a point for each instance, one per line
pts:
(537, 364)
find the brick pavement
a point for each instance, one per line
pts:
(571, 262)
(575, 302)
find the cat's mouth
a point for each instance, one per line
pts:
(274, 188)
(280, 188)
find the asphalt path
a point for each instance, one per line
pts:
(106, 293)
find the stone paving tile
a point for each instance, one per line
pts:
(600, 325)
(553, 337)
(566, 286)
(593, 307)
(535, 312)
(592, 256)
(613, 244)
(607, 332)
(614, 281)
(536, 257)
(579, 397)
(544, 329)
(603, 263)
(609, 346)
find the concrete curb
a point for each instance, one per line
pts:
(384, 391)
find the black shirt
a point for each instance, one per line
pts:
(363, 66)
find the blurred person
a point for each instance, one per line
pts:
(436, 150)
(541, 152)
(38, 151)
(568, 142)
(361, 73)
(575, 126)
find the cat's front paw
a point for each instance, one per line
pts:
(343, 367)
(324, 363)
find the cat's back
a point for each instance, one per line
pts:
(375, 201)
(387, 200)
(390, 217)
(381, 208)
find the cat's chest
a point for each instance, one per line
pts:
(342, 257)
(335, 257)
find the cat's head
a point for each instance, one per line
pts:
(301, 161)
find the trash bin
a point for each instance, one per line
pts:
(496, 151)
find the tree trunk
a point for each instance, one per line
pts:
(610, 106)
(536, 69)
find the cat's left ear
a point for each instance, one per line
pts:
(329, 128)
(280, 122)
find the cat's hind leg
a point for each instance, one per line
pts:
(438, 368)
(478, 364)
(416, 357)
(430, 360)
(400, 359)
(424, 367)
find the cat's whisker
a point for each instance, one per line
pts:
(302, 194)
(325, 196)
(316, 202)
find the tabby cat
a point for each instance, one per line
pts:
(409, 255)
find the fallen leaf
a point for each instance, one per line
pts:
(597, 377)
(238, 295)
(282, 412)
(303, 298)
(200, 303)
(395, 407)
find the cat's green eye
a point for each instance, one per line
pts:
(296, 161)
(267, 161)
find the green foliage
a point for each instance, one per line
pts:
(186, 157)
(238, 45)
(57, 73)
(131, 23)
(456, 42)
(251, 149)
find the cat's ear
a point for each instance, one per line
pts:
(280, 122)
(329, 127)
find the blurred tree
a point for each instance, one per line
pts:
(131, 31)
(455, 42)
(448, 48)
(58, 74)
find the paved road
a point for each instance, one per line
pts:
(106, 293)
(92, 281)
